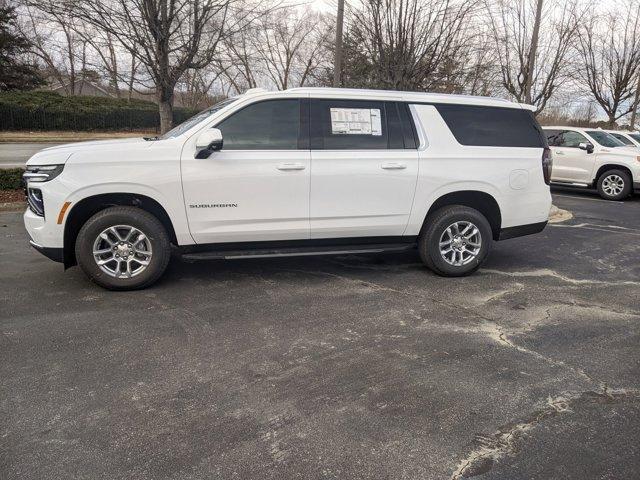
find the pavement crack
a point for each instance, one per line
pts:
(497, 333)
(516, 288)
(488, 326)
(488, 449)
(545, 272)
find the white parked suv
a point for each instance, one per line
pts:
(593, 158)
(301, 171)
(630, 139)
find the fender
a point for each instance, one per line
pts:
(422, 206)
(176, 215)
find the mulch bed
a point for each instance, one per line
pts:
(10, 196)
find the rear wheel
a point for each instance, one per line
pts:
(614, 185)
(123, 248)
(456, 241)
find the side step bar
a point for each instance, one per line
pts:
(296, 252)
(570, 184)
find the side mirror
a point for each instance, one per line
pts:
(586, 146)
(208, 142)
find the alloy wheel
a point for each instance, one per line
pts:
(122, 251)
(460, 243)
(613, 185)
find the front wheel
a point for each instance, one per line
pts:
(614, 185)
(455, 242)
(123, 248)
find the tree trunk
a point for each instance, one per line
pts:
(531, 61)
(636, 101)
(337, 62)
(165, 105)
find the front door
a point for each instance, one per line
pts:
(257, 187)
(364, 168)
(570, 162)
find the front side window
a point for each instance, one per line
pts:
(554, 137)
(605, 139)
(622, 138)
(572, 139)
(635, 136)
(268, 125)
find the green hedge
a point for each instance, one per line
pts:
(52, 111)
(11, 179)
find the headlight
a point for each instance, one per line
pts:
(35, 201)
(41, 173)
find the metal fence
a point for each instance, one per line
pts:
(21, 118)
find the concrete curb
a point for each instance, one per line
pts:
(557, 215)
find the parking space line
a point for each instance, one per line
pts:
(601, 228)
(587, 198)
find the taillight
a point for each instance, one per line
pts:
(547, 164)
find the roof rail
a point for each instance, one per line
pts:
(255, 90)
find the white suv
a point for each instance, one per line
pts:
(630, 139)
(589, 157)
(302, 171)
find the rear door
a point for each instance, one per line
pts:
(570, 162)
(364, 168)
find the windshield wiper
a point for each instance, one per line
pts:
(151, 139)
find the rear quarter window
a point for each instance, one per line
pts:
(492, 126)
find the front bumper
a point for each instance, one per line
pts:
(55, 254)
(45, 232)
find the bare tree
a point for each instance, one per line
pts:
(531, 42)
(609, 47)
(400, 44)
(196, 87)
(290, 47)
(168, 37)
(56, 44)
(239, 62)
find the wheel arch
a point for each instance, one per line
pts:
(484, 202)
(89, 206)
(611, 166)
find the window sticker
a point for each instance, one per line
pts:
(356, 121)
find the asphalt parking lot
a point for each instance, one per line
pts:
(364, 367)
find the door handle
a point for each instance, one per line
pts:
(291, 166)
(393, 166)
(559, 153)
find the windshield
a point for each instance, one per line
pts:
(635, 136)
(197, 118)
(622, 138)
(605, 139)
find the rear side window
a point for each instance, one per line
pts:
(268, 125)
(360, 125)
(492, 126)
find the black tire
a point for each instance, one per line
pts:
(141, 220)
(618, 176)
(435, 227)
